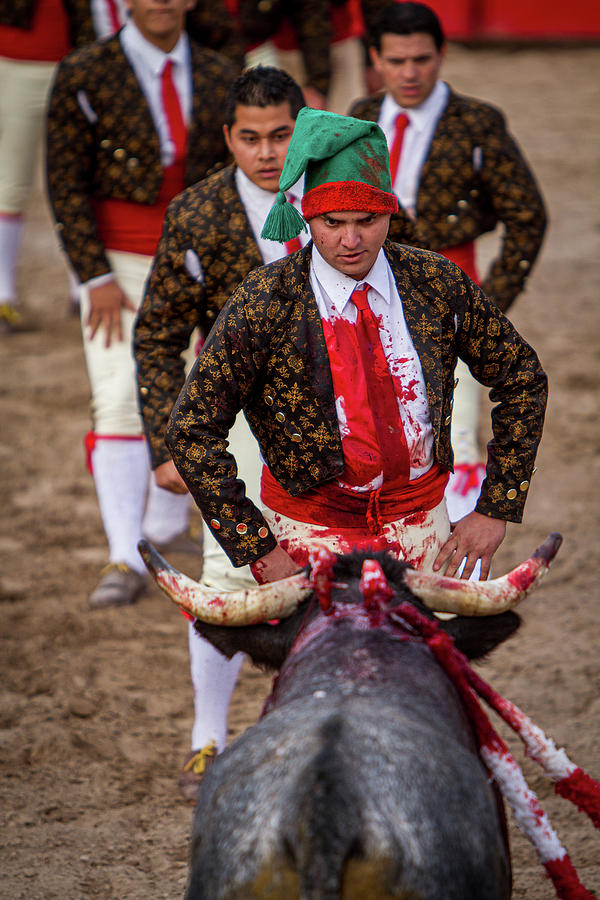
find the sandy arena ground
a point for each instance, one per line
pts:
(95, 709)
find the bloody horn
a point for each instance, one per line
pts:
(249, 606)
(484, 598)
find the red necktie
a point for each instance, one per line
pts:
(402, 121)
(380, 389)
(113, 14)
(293, 245)
(172, 109)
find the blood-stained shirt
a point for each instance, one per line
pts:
(332, 290)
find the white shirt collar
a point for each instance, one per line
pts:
(419, 116)
(152, 57)
(252, 193)
(338, 287)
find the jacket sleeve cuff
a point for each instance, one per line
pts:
(503, 501)
(243, 541)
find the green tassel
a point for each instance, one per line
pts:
(284, 222)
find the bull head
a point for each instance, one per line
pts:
(279, 599)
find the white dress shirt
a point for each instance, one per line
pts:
(258, 203)
(148, 62)
(332, 290)
(417, 139)
(102, 19)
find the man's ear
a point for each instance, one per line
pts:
(375, 58)
(227, 136)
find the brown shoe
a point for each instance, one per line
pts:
(194, 769)
(118, 586)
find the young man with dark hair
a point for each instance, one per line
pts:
(457, 173)
(210, 242)
(132, 120)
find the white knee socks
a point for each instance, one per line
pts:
(11, 228)
(465, 417)
(167, 514)
(131, 504)
(213, 680)
(121, 474)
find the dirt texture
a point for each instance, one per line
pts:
(96, 708)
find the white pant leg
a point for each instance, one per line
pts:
(23, 96)
(213, 676)
(111, 370)
(291, 62)
(348, 79)
(265, 54)
(23, 99)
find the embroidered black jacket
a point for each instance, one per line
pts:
(267, 355)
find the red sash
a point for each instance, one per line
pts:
(464, 257)
(346, 22)
(46, 41)
(334, 507)
(136, 227)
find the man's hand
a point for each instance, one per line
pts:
(167, 477)
(106, 302)
(275, 565)
(476, 537)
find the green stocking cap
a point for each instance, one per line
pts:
(346, 166)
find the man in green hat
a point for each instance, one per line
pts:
(342, 357)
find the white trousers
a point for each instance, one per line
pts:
(111, 370)
(23, 99)
(23, 96)
(416, 539)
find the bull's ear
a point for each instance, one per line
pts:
(476, 637)
(266, 645)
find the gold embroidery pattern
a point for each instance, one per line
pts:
(81, 160)
(270, 320)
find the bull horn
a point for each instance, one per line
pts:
(483, 598)
(276, 600)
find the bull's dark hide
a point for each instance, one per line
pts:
(362, 781)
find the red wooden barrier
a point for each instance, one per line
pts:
(518, 19)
